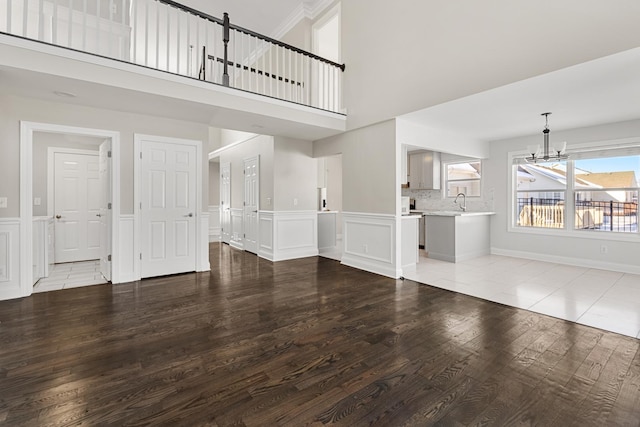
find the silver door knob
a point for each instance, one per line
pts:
(189, 214)
(58, 216)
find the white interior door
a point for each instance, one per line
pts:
(225, 201)
(251, 197)
(105, 215)
(167, 208)
(76, 206)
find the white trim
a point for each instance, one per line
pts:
(51, 151)
(200, 249)
(578, 262)
(287, 235)
(303, 10)
(10, 278)
(362, 248)
(215, 233)
(26, 193)
(216, 153)
(235, 239)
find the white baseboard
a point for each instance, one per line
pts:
(578, 262)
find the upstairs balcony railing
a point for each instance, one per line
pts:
(168, 36)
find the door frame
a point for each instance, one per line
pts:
(137, 170)
(26, 195)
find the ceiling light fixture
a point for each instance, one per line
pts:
(557, 153)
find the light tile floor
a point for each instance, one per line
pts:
(603, 299)
(70, 275)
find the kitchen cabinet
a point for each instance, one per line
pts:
(424, 170)
(456, 236)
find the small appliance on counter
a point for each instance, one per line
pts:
(405, 207)
(322, 199)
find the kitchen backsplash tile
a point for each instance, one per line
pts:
(432, 199)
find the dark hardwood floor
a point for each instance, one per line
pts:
(303, 342)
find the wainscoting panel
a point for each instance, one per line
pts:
(295, 234)
(214, 223)
(127, 251)
(40, 248)
(10, 259)
(237, 229)
(202, 264)
(370, 243)
(265, 234)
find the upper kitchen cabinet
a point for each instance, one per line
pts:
(424, 170)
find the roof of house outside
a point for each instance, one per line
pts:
(624, 179)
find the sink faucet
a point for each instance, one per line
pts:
(463, 206)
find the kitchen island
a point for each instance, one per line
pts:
(456, 236)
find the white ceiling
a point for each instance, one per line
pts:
(605, 90)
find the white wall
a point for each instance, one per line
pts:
(437, 140)
(412, 54)
(562, 247)
(229, 136)
(369, 181)
(14, 109)
(214, 183)
(294, 175)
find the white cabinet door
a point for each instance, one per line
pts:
(415, 171)
(225, 201)
(168, 208)
(76, 206)
(251, 198)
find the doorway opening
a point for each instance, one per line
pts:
(37, 195)
(330, 207)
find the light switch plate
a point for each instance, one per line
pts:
(37, 201)
(3, 202)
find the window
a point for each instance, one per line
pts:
(463, 177)
(606, 194)
(541, 194)
(585, 193)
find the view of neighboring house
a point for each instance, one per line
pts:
(604, 200)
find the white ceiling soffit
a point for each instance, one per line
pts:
(605, 90)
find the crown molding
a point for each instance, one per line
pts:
(307, 9)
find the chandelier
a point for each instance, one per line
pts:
(546, 154)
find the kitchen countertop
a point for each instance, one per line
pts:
(412, 215)
(326, 212)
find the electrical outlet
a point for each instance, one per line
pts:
(604, 249)
(37, 201)
(365, 249)
(268, 201)
(3, 202)
(295, 201)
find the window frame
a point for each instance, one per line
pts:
(445, 178)
(514, 157)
